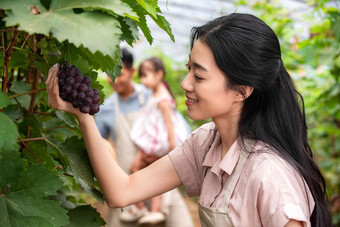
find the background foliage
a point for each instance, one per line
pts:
(42, 156)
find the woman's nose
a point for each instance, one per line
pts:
(186, 84)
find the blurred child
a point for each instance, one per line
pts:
(158, 129)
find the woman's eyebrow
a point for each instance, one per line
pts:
(199, 66)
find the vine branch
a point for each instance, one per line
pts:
(23, 142)
(26, 93)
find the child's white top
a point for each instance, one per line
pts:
(149, 132)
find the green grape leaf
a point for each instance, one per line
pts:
(56, 128)
(38, 150)
(68, 118)
(42, 67)
(111, 7)
(19, 87)
(13, 112)
(80, 166)
(95, 30)
(8, 133)
(79, 161)
(97, 60)
(32, 122)
(164, 24)
(19, 59)
(85, 216)
(150, 6)
(4, 101)
(56, 147)
(129, 29)
(23, 191)
(144, 27)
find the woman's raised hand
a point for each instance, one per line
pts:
(54, 100)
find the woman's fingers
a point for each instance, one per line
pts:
(52, 73)
(53, 86)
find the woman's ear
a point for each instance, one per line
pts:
(243, 92)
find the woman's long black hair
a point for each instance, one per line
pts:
(248, 52)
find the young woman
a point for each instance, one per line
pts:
(252, 166)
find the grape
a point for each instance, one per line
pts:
(73, 95)
(95, 91)
(64, 66)
(89, 93)
(82, 88)
(67, 89)
(70, 71)
(78, 77)
(70, 81)
(94, 108)
(75, 88)
(61, 83)
(75, 104)
(80, 104)
(87, 81)
(61, 74)
(43, 44)
(88, 101)
(85, 109)
(45, 52)
(96, 99)
(62, 95)
(51, 44)
(81, 96)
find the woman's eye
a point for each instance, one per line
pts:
(197, 77)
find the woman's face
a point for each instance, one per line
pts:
(206, 87)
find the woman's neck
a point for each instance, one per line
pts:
(227, 128)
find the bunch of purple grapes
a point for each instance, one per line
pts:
(75, 88)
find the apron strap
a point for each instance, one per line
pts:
(116, 104)
(206, 152)
(244, 153)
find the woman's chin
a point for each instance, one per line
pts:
(196, 117)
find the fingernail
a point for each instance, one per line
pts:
(55, 66)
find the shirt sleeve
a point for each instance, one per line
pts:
(188, 158)
(283, 195)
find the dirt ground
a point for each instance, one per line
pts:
(192, 207)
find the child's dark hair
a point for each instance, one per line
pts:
(127, 58)
(158, 65)
(248, 52)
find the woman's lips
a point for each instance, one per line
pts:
(190, 101)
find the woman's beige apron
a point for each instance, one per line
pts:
(218, 217)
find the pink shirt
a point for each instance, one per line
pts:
(269, 192)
